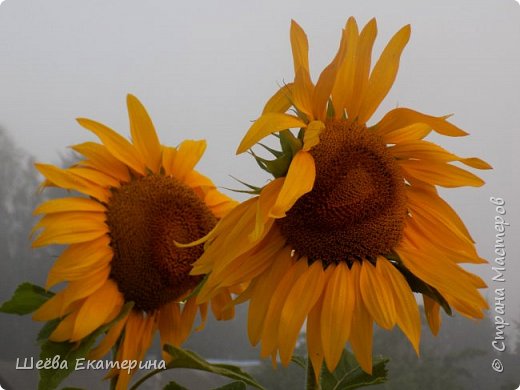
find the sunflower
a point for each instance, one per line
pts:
(351, 224)
(142, 198)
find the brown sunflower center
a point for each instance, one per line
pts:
(357, 206)
(145, 217)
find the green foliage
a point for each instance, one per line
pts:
(174, 386)
(348, 374)
(187, 359)
(237, 385)
(26, 299)
(299, 360)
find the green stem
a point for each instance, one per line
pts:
(145, 377)
(311, 378)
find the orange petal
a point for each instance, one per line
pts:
(402, 117)
(108, 341)
(299, 181)
(143, 134)
(267, 124)
(281, 101)
(407, 312)
(377, 296)
(363, 56)
(362, 325)
(442, 174)
(69, 204)
(336, 315)
(383, 74)
(188, 155)
(117, 145)
(101, 159)
(96, 309)
(69, 181)
(304, 293)
(343, 86)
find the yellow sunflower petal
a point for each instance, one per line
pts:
(433, 315)
(383, 74)
(203, 310)
(402, 117)
(100, 178)
(343, 86)
(418, 149)
(80, 260)
(337, 314)
(300, 47)
(263, 290)
(326, 81)
(281, 101)
(63, 331)
(189, 312)
(218, 203)
(302, 93)
(436, 206)
(270, 340)
(69, 228)
(82, 288)
(168, 157)
(108, 341)
(407, 312)
(188, 155)
(311, 136)
(444, 275)
(363, 56)
(266, 201)
(168, 321)
(69, 204)
(117, 145)
(51, 309)
(299, 301)
(314, 344)
(267, 124)
(69, 181)
(96, 309)
(222, 306)
(362, 327)
(101, 159)
(444, 175)
(252, 263)
(412, 132)
(377, 296)
(143, 134)
(299, 181)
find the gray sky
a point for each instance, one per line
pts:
(205, 68)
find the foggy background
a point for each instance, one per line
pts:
(204, 69)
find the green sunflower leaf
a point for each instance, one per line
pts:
(299, 360)
(278, 167)
(47, 329)
(289, 143)
(274, 152)
(187, 359)
(348, 374)
(72, 388)
(26, 299)
(64, 357)
(237, 385)
(174, 386)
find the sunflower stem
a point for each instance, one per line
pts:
(312, 384)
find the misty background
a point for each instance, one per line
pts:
(204, 70)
